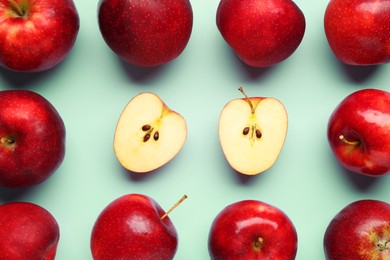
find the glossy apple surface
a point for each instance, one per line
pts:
(36, 35)
(251, 229)
(32, 138)
(361, 230)
(358, 31)
(131, 227)
(27, 231)
(261, 32)
(358, 132)
(146, 33)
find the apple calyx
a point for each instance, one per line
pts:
(258, 244)
(20, 10)
(174, 206)
(383, 245)
(8, 141)
(344, 140)
(252, 129)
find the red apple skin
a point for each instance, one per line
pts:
(361, 231)
(146, 33)
(358, 31)
(27, 231)
(40, 39)
(130, 228)
(261, 32)
(32, 138)
(363, 118)
(237, 229)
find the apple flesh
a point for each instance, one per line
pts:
(252, 229)
(148, 134)
(358, 132)
(32, 138)
(361, 230)
(146, 33)
(134, 226)
(36, 35)
(252, 132)
(27, 231)
(261, 32)
(358, 31)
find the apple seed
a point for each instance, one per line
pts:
(245, 131)
(258, 133)
(156, 136)
(146, 128)
(146, 137)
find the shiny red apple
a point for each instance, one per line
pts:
(358, 31)
(261, 32)
(146, 33)
(359, 132)
(252, 229)
(361, 230)
(36, 35)
(32, 138)
(134, 226)
(27, 231)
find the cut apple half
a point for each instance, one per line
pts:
(148, 134)
(252, 132)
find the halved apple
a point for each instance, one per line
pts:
(148, 134)
(252, 132)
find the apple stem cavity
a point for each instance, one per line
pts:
(173, 207)
(19, 9)
(344, 140)
(8, 141)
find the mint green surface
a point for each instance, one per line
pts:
(92, 86)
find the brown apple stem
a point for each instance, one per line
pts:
(173, 207)
(17, 8)
(247, 99)
(344, 140)
(7, 140)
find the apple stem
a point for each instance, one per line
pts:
(19, 11)
(344, 140)
(247, 99)
(173, 207)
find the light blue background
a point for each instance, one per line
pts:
(92, 86)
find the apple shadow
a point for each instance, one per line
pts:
(19, 80)
(362, 183)
(142, 74)
(360, 74)
(249, 73)
(15, 194)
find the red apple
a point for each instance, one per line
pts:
(146, 33)
(359, 132)
(36, 35)
(32, 138)
(358, 30)
(27, 231)
(261, 32)
(251, 229)
(134, 226)
(361, 231)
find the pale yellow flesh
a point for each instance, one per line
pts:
(248, 154)
(132, 152)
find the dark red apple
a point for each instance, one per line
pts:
(361, 231)
(32, 138)
(36, 35)
(358, 31)
(261, 32)
(134, 226)
(251, 229)
(146, 33)
(359, 132)
(27, 231)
